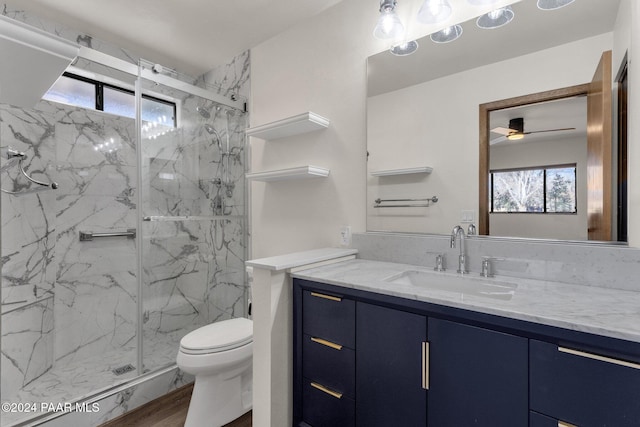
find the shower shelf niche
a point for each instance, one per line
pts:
(302, 172)
(296, 125)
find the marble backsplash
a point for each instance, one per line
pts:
(608, 266)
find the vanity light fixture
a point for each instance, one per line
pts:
(405, 48)
(553, 4)
(389, 25)
(515, 136)
(434, 11)
(496, 18)
(447, 35)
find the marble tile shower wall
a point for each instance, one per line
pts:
(79, 298)
(194, 268)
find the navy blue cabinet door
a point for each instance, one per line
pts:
(389, 365)
(576, 387)
(477, 377)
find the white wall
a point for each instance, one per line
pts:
(442, 132)
(544, 153)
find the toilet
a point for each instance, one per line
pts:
(220, 356)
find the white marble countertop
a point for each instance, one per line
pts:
(297, 259)
(608, 312)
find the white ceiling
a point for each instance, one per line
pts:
(191, 36)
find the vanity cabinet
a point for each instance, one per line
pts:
(390, 367)
(583, 387)
(364, 364)
(477, 377)
(367, 359)
(327, 386)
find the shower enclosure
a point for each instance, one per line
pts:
(142, 240)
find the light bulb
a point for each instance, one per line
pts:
(496, 18)
(434, 11)
(553, 4)
(405, 48)
(447, 35)
(388, 26)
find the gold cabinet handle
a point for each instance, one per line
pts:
(327, 343)
(598, 357)
(425, 365)
(563, 424)
(326, 390)
(329, 297)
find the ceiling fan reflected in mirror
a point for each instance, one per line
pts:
(516, 131)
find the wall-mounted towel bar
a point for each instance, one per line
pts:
(88, 235)
(12, 155)
(380, 203)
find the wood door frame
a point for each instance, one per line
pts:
(623, 146)
(485, 110)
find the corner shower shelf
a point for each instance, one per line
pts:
(302, 172)
(296, 125)
(407, 171)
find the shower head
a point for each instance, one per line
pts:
(211, 130)
(203, 112)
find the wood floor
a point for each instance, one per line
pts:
(169, 410)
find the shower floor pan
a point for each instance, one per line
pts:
(81, 379)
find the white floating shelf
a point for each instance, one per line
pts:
(407, 171)
(302, 172)
(302, 123)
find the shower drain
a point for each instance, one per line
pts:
(123, 369)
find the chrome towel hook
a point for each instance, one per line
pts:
(15, 154)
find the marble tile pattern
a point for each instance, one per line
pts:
(193, 263)
(91, 285)
(609, 312)
(597, 265)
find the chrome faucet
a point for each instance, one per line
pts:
(462, 258)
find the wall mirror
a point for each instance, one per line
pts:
(424, 123)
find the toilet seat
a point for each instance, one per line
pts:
(217, 337)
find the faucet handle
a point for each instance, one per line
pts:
(487, 266)
(440, 263)
(471, 230)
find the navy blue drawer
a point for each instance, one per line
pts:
(330, 317)
(324, 362)
(322, 409)
(582, 388)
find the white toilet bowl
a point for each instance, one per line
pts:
(220, 356)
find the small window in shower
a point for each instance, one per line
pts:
(88, 93)
(73, 92)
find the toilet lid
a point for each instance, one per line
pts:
(219, 336)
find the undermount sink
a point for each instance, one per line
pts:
(465, 285)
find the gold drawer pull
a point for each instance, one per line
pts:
(329, 297)
(326, 390)
(563, 424)
(327, 343)
(425, 365)
(600, 358)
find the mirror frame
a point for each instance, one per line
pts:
(483, 158)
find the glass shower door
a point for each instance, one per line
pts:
(69, 306)
(193, 220)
